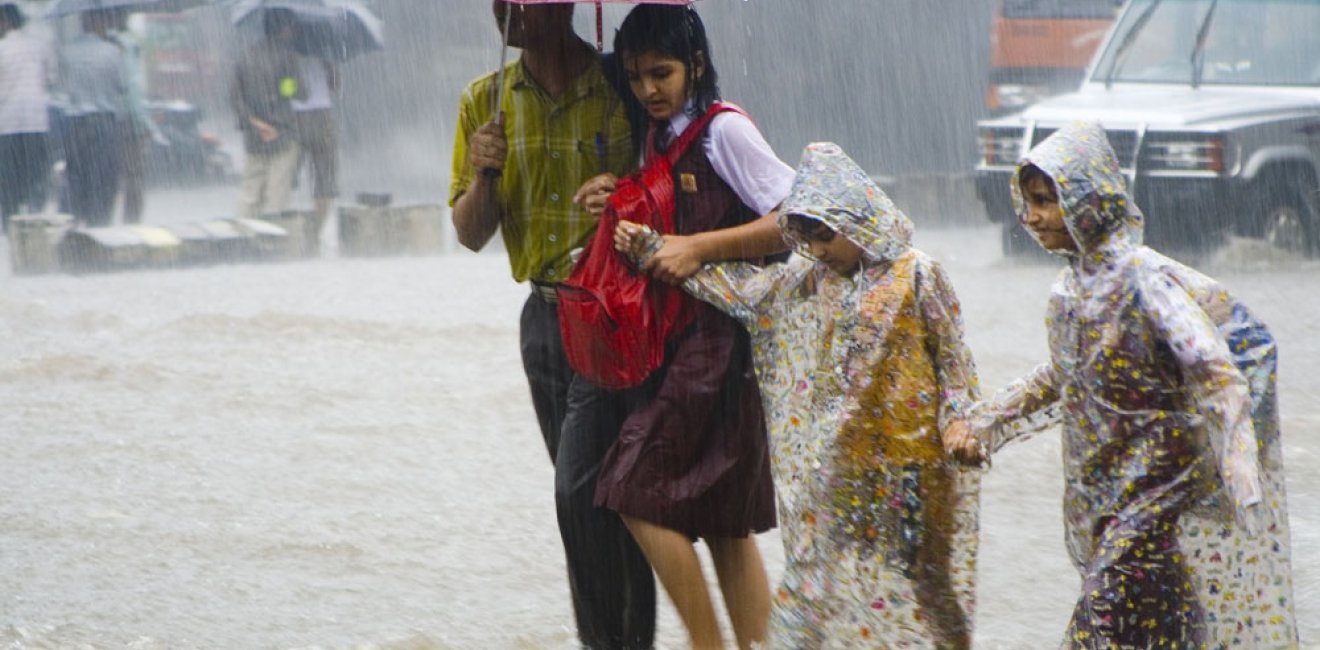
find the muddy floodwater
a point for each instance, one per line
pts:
(340, 453)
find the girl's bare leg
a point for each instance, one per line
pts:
(675, 561)
(745, 586)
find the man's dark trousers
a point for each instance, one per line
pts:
(612, 585)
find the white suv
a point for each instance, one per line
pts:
(1213, 108)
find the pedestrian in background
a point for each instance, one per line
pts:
(27, 72)
(314, 118)
(266, 80)
(92, 78)
(136, 129)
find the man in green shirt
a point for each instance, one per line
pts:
(518, 161)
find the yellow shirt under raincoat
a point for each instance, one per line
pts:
(859, 376)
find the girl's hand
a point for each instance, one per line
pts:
(677, 260)
(595, 193)
(961, 443)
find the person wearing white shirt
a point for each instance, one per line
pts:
(27, 71)
(92, 78)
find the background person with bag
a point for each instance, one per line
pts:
(691, 460)
(515, 169)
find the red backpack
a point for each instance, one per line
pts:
(615, 320)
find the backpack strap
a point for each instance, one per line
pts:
(694, 130)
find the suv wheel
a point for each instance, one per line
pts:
(1288, 217)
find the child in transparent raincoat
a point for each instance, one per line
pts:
(862, 366)
(1164, 386)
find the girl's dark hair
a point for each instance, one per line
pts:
(672, 31)
(612, 66)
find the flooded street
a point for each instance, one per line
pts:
(341, 453)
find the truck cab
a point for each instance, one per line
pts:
(1213, 109)
(1040, 48)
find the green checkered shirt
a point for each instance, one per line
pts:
(552, 150)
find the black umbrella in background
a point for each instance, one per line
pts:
(332, 29)
(70, 7)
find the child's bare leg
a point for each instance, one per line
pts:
(675, 561)
(745, 586)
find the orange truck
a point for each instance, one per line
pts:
(1040, 48)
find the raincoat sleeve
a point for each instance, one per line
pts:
(954, 366)
(742, 290)
(1216, 388)
(1021, 409)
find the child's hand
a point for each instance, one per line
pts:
(595, 193)
(961, 443)
(636, 242)
(627, 237)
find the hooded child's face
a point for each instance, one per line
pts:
(829, 248)
(1044, 216)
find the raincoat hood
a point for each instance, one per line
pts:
(834, 190)
(1092, 191)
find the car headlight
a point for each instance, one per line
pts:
(1010, 97)
(1186, 152)
(1000, 146)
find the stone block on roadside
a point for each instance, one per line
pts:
(390, 230)
(118, 248)
(32, 242)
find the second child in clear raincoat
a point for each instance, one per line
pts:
(860, 357)
(1164, 386)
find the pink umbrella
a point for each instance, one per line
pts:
(600, 30)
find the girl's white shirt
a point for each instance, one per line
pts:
(743, 159)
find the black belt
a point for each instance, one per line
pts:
(547, 292)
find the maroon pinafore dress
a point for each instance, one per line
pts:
(692, 455)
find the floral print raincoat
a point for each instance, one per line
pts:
(859, 377)
(1164, 385)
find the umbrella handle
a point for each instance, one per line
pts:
(491, 172)
(600, 27)
(504, 57)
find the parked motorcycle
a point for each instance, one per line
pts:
(185, 155)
